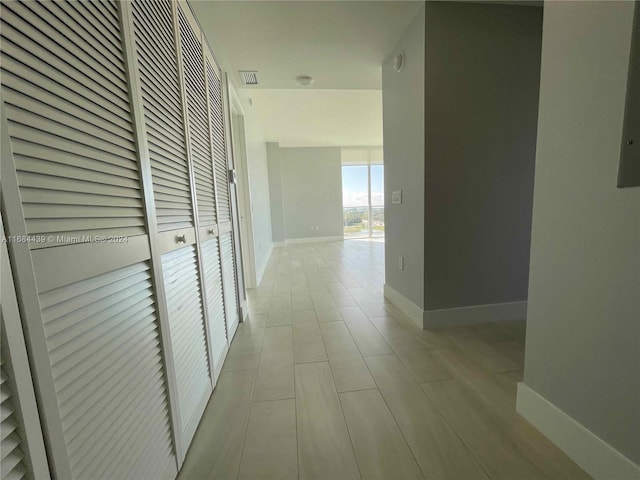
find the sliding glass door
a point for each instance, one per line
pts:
(363, 193)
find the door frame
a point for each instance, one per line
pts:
(245, 205)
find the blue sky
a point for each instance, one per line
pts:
(354, 185)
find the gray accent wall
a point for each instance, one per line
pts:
(481, 95)
(403, 124)
(306, 185)
(583, 332)
(275, 191)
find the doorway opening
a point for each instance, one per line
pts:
(363, 192)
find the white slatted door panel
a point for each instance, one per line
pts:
(229, 283)
(186, 322)
(215, 301)
(218, 142)
(22, 446)
(105, 354)
(164, 123)
(200, 148)
(66, 100)
(14, 465)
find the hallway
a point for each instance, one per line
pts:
(326, 380)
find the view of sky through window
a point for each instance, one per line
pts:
(355, 186)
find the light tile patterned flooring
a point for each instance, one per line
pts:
(326, 380)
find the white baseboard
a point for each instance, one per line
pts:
(406, 306)
(474, 314)
(293, 241)
(279, 244)
(590, 452)
(261, 268)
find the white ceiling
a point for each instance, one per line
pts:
(319, 118)
(341, 44)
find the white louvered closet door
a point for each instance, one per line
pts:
(198, 124)
(163, 115)
(71, 180)
(215, 302)
(172, 176)
(14, 464)
(186, 317)
(22, 447)
(225, 229)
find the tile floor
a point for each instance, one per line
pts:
(326, 380)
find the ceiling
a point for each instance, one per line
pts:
(319, 118)
(341, 44)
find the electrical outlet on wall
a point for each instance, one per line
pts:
(396, 197)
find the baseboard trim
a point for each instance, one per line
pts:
(590, 452)
(475, 314)
(293, 241)
(406, 306)
(279, 244)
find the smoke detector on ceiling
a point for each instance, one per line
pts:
(248, 77)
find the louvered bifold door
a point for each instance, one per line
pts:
(72, 191)
(225, 229)
(229, 282)
(22, 447)
(198, 124)
(163, 117)
(172, 175)
(215, 302)
(186, 316)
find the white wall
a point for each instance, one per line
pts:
(583, 332)
(307, 184)
(403, 125)
(257, 169)
(481, 106)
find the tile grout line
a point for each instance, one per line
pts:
(246, 428)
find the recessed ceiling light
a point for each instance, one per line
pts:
(305, 80)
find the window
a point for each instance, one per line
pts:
(363, 192)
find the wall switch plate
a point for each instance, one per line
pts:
(396, 197)
(401, 263)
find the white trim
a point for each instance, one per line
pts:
(17, 364)
(474, 314)
(293, 241)
(261, 268)
(244, 310)
(590, 452)
(406, 306)
(245, 211)
(279, 244)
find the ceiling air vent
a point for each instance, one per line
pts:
(249, 78)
